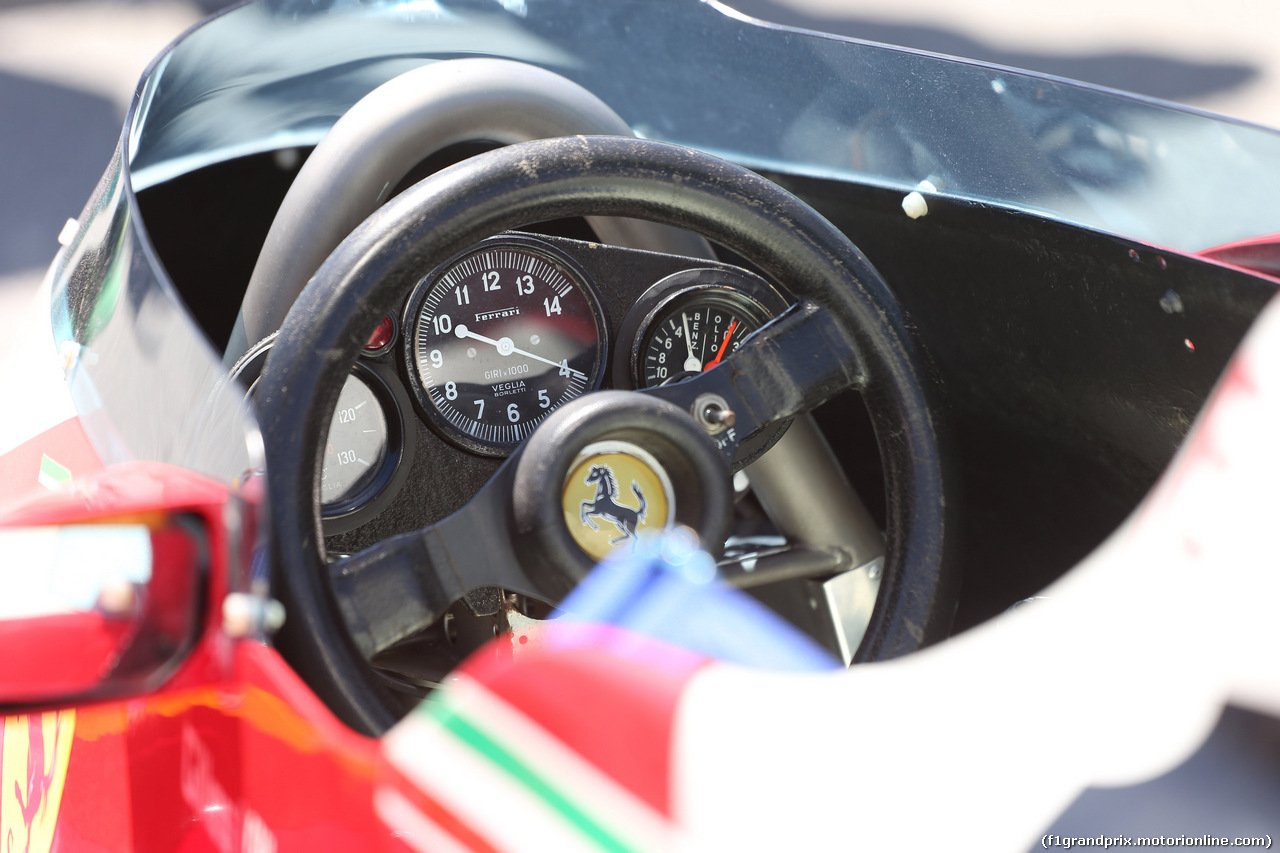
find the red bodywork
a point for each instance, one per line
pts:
(232, 753)
(1257, 255)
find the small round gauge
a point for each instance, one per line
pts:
(366, 459)
(355, 446)
(499, 338)
(695, 319)
(696, 334)
(688, 323)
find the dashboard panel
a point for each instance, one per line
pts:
(499, 337)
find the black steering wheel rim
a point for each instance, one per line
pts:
(550, 179)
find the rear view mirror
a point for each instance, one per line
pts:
(95, 608)
(96, 604)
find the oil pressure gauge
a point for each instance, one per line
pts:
(695, 334)
(689, 322)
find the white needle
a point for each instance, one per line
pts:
(506, 346)
(691, 363)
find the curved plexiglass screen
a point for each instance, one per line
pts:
(147, 385)
(278, 74)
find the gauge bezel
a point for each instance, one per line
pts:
(577, 276)
(736, 288)
(381, 379)
(357, 509)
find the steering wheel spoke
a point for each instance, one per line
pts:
(789, 367)
(391, 591)
(400, 587)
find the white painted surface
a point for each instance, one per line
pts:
(1115, 679)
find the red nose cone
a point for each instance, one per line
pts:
(381, 337)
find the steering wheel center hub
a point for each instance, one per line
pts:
(615, 492)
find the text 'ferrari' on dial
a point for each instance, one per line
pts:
(501, 336)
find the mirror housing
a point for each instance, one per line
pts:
(103, 584)
(83, 606)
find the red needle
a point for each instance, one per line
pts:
(724, 346)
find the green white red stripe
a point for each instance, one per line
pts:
(502, 780)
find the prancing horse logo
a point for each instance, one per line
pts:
(605, 504)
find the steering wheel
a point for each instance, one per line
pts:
(846, 331)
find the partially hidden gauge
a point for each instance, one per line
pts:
(499, 338)
(365, 455)
(356, 445)
(691, 321)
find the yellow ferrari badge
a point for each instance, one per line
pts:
(614, 492)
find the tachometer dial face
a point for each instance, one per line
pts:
(500, 337)
(356, 445)
(694, 332)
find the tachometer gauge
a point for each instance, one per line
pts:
(500, 337)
